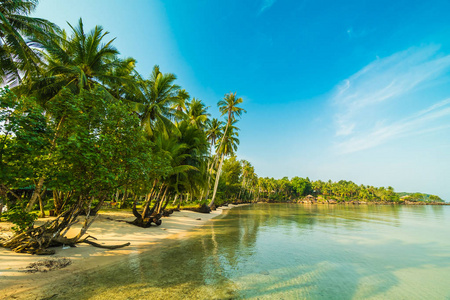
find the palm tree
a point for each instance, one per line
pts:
(197, 148)
(213, 130)
(247, 173)
(197, 113)
(363, 192)
(18, 59)
(177, 154)
(81, 61)
(160, 97)
(229, 106)
(227, 147)
(179, 105)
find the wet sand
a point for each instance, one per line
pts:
(15, 283)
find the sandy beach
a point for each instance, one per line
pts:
(109, 229)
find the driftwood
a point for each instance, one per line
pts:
(102, 246)
(38, 240)
(146, 222)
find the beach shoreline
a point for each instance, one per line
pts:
(109, 229)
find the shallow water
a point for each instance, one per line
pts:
(291, 251)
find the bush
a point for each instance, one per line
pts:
(20, 218)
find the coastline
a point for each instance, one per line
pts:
(334, 202)
(16, 283)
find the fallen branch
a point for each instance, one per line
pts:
(37, 240)
(106, 246)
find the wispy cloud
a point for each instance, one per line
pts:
(380, 83)
(266, 4)
(419, 123)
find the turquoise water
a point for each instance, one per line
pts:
(291, 251)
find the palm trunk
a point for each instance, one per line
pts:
(146, 203)
(161, 201)
(216, 184)
(146, 213)
(175, 200)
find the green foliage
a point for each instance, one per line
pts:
(232, 171)
(18, 59)
(301, 186)
(24, 140)
(99, 146)
(20, 218)
(414, 197)
(435, 198)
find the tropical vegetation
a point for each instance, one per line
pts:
(80, 128)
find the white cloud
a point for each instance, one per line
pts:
(419, 123)
(384, 81)
(266, 4)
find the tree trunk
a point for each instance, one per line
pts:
(41, 205)
(99, 205)
(35, 196)
(175, 200)
(124, 198)
(161, 201)
(179, 202)
(117, 196)
(216, 184)
(57, 201)
(38, 188)
(209, 173)
(145, 212)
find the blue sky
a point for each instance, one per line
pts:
(354, 90)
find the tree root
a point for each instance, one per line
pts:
(37, 240)
(112, 247)
(106, 246)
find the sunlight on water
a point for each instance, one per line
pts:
(290, 251)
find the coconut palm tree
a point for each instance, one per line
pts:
(229, 106)
(197, 113)
(179, 105)
(18, 59)
(175, 151)
(194, 181)
(157, 106)
(81, 61)
(213, 130)
(247, 173)
(227, 147)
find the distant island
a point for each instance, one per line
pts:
(304, 190)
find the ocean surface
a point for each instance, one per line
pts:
(291, 251)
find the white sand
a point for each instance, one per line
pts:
(16, 284)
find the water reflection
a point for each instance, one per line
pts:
(293, 251)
